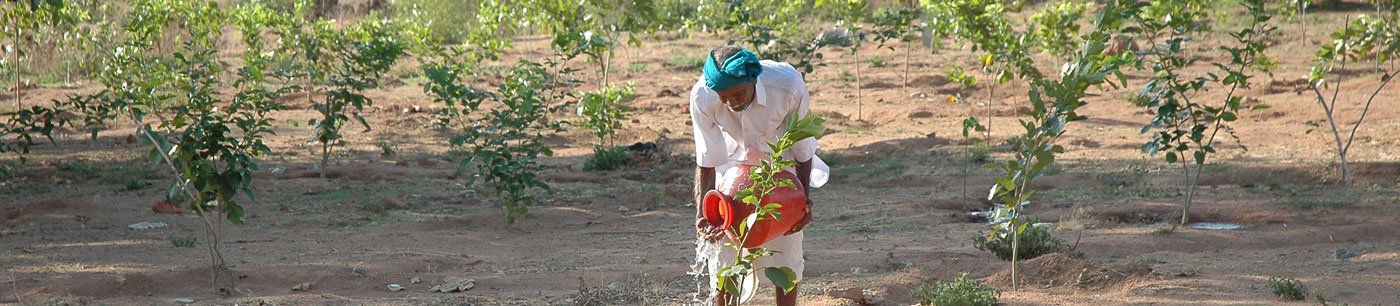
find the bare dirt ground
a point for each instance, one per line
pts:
(893, 216)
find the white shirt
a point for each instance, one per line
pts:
(724, 138)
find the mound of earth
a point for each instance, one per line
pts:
(1060, 270)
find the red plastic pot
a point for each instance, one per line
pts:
(722, 210)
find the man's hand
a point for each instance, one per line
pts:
(806, 218)
(710, 233)
(704, 182)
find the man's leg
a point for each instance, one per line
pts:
(787, 253)
(789, 299)
(723, 258)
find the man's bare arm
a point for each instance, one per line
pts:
(704, 182)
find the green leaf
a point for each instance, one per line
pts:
(235, 213)
(1200, 157)
(782, 277)
(730, 285)
(1005, 183)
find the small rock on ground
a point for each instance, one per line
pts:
(147, 225)
(454, 284)
(1344, 254)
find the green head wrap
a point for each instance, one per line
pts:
(740, 68)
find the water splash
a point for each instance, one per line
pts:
(700, 272)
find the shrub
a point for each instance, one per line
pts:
(450, 18)
(133, 183)
(876, 62)
(1035, 241)
(961, 291)
(78, 171)
(386, 148)
(980, 154)
(1288, 289)
(831, 158)
(607, 159)
(184, 241)
(687, 62)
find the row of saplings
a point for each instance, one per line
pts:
(210, 139)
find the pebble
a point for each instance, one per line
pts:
(147, 225)
(1343, 254)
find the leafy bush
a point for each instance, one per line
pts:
(1035, 241)
(386, 148)
(979, 154)
(961, 291)
(1288, 288)
(831, 158)
(607, 159)
(636, 67)
(184, 241)
(602, 111)
(133, 183)
(687, 62)
(78, 171)
(364, 52)
(448, 19)
(506, 142)
(876, 62)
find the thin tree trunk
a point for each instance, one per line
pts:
(991, 93)
(1015, 247)
(967, 154)
(907, 50)
(859, 99)
(1344, 149)
(1190, 193)
(325, 155)
(216, 258)
(19, 100)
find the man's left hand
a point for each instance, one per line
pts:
(806, 218)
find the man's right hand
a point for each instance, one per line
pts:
(710, 233)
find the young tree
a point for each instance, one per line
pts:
(898, 24)
(984, 24)
(362, 53)
(1053, 106)
(603, 113)
(30, 23)
(1056, 29)
(1357, 40)
(852, 15)
(764, 183)
(1182, 122)
(209, 144)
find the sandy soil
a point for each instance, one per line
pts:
(891, 219)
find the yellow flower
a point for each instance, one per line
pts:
(952, 99)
